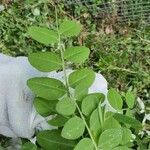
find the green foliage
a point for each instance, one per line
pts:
(43, 35)
(126, 136)
(58, 121)
(111, 123)
(127, 120)
(73, 128)
(84, 144)
(110, 139)
(115, 99)
(89, 103)
(52, 140)
(47, 88)
(118, 56)
(95, 124)
(29, 146)
(45, 62)
(83, 77)
(130, 99)
(80, 92)
(66, 107)
(44, 107)
(121, 148)
(79, 115)
(69, 28)
(77, 54)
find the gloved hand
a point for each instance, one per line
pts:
(18, 117)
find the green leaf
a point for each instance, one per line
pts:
(80, 92)
(89, 103)
(44, 107)
(115, 99)
(29, 146)
(127, 120)
(110, 138)
(47, 88)
(95, 125)
(77, 54)
(73, 129)
(43, 35)
(83, 77)
(45, 61)
(58, 121)
(69, 28)
(127, 136)
(52, 140)
(121, 148)
(108, 114)
(111, 123)
(85, 144)
(66, 107)
(130, 99)
(130, 113)
(100, 96)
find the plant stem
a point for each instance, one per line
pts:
(100, 114)
(87, 127)
(61, 47)
(64, 70)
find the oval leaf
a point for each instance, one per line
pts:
(44, 107)
(85, 144)
(83, 77)
(115, 99)
(47, 88)
(80, 92)
(69, 28)
(89, 103)
(66, 107)
(130, 99)
(77, 54)
(53, 140)
(58, 121)
(127, 120)
(29, 146)
(45, 61)
(43, 35)
(95, 124)
(111, 123)
(127, 136)
(73, 129)
(110, 138)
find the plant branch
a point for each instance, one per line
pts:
(87, 127)
(61, 47)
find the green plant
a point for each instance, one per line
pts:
(118, 56)
(82, 121)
